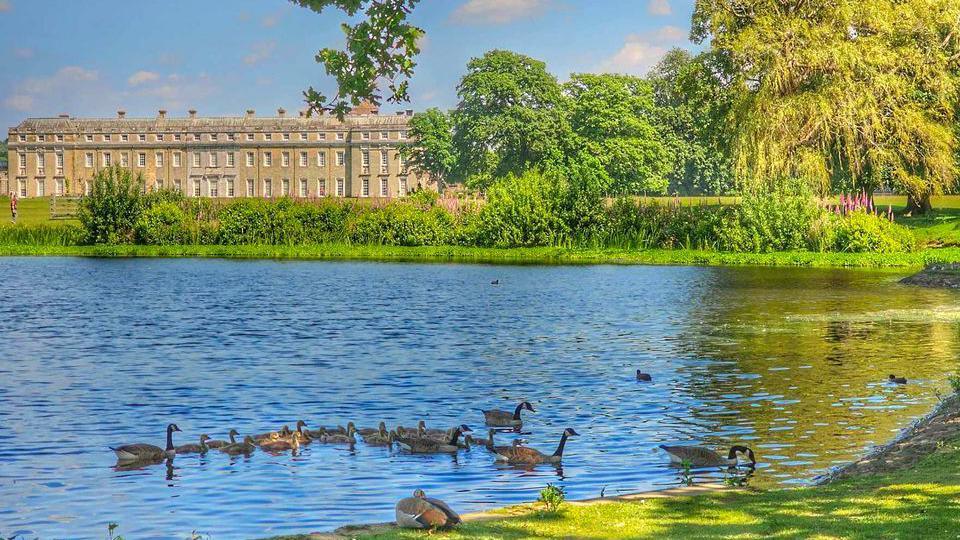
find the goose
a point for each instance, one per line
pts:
(147, 452)
(495, 282)
(487, 443)
(897, 380)
(340, 438)
(379, 437)
(422, 512)
(522, 454)
(425, 445)
(273, 435)
(501, 418)
(373, 431)
(195, 448)
(246, 447)
(699, 456)
(305, 437)
(219, 443)
(645, 377)
(279, 445)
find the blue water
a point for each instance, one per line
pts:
(104, 352)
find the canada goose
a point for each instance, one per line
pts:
(426, 445)
(379, 437)
(195, 448)
(246, 447)
(279, 445)
(422, 512)
(897, 380)
(645, 377)
(422, 431)
(147, 452)
(698, 456)
(500, 418)
(219, 444)
(522, 454)
(305, 437)
(340, 438)
(488, 443)
(315, 434)
(372, 431)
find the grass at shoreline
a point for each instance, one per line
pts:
(457, 254)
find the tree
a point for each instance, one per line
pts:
(693, 103)
(841, 89)
(432, 151)
(613, 117)
(381, 46)
(116, 201)
(510, 117)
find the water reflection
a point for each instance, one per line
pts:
(789, 362)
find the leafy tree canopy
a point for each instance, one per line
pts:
(432, 151)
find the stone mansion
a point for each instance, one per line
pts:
(248, 156)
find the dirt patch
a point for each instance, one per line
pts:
(916, 442)
(936, 275)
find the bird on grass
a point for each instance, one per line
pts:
(699, 456)
(422, 512)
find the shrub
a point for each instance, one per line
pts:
(778, 220)
(860, 231)
(552, 497)
(401, 224)
(162, 224)
(522, 211)
(111, 210)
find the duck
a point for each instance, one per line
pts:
(499, 418)
(195, 448)
(516, 453)
(487, 443)
(897, 380)
(246, 447)
(305, 437)
(699, 456)
(273, 435)
(495, 282)
(339, 429)
(645, 377)
(378, 438)
(425, 445)
(220, 443)
(147, 452)
(340, 438)
(279, 445)
(422, 512)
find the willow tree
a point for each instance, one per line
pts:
(857, 90)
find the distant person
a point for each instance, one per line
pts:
(13, 207)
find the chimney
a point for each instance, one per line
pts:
(250, 113)
(303, 114)
(400, 113)
(193, 113)
(64, 115)
(162, 113)
(121, 113)
(281, 112)
(409, 112)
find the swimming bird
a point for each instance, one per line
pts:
(372, 431)
(305, 437)
(487, 443)
(699, 456)
(246, 447)
(422, 512)
(495, 282)
(645, 377)
(522, 454)
(340, 438)
(426, 445)
(378, 438)
(897, 380)
(501, 418)
(273, 435)
(279, 445)
(147, 452)
(219, 443)
(195, 448)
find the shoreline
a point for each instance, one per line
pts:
(515, 256)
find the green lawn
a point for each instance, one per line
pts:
(31, 211)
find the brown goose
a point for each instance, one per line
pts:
(219, 443)
(379, 437)
(195, 448)
(273, 435)
(147, 452)
(305, 437)
(372, 431)
(526, 455)
(699, 456)
(645, 377)
(487, 443)
(425, 445)
(499, 418)
(246, 447)
(340, 438)
(280, 445)
(422, 512)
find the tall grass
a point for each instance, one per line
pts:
(42, 235)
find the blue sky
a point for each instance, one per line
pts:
(221, 57)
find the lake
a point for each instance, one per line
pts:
(100, 352)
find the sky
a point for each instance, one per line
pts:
(221, 57)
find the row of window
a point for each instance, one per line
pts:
(214, 137)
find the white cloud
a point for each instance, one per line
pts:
(178, 91)
(260, 52)
(19, 102)
(142, 77)
(659, 7)
(640, 52)
(68, 85)
(499, 11)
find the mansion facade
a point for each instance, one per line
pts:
(248, 156)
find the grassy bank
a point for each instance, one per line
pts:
(442, 254)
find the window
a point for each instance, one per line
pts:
(321, 159)
(142, 137)
(142, 159)
(124, 159)
(384, 134)
(58, 187)
(365, 159)
(340, 135)
(87, 160)
(231, 160)
(22, 187)
(176, 159)
(267, 159)
(58, 161)
(321, 136)
(249, 136)
(249, 159)
(340, 158)
(250, 187)
(176, 136)
(124, 138)
(89, 138)
(196, 159)
(22, 162)
(41, 138)
(213, 159)
(268, 188)
(303, 187)
(159, 184)
(304, 159)
(107, 159)
(178, 186)
(159, 159)
(106, 137)
(286, 136)
(339, 187)
(41, 164)
(365, 187)
(321, 188)
(230, 191)
(365, 135)
(285, 159)
(40, 190)
(400, 164)
(384, 162)
(196, 187)
(23, 138)
(59, 138)
(213, 187)
(231, 136)
(402, 135)
(384, 188)
(268, 136)
(213, 137)
(159, 137)
(403, 187)
(192, 137)
(285, 187)
(303, 136)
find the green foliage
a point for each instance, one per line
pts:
(954, 383)
(261, 221)
(552, 497)
(765, 221)
(432, 152)
(862, 232)
(111, 210)
(403, 225)
(162, 224)
(42, 235)
(522, 210)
